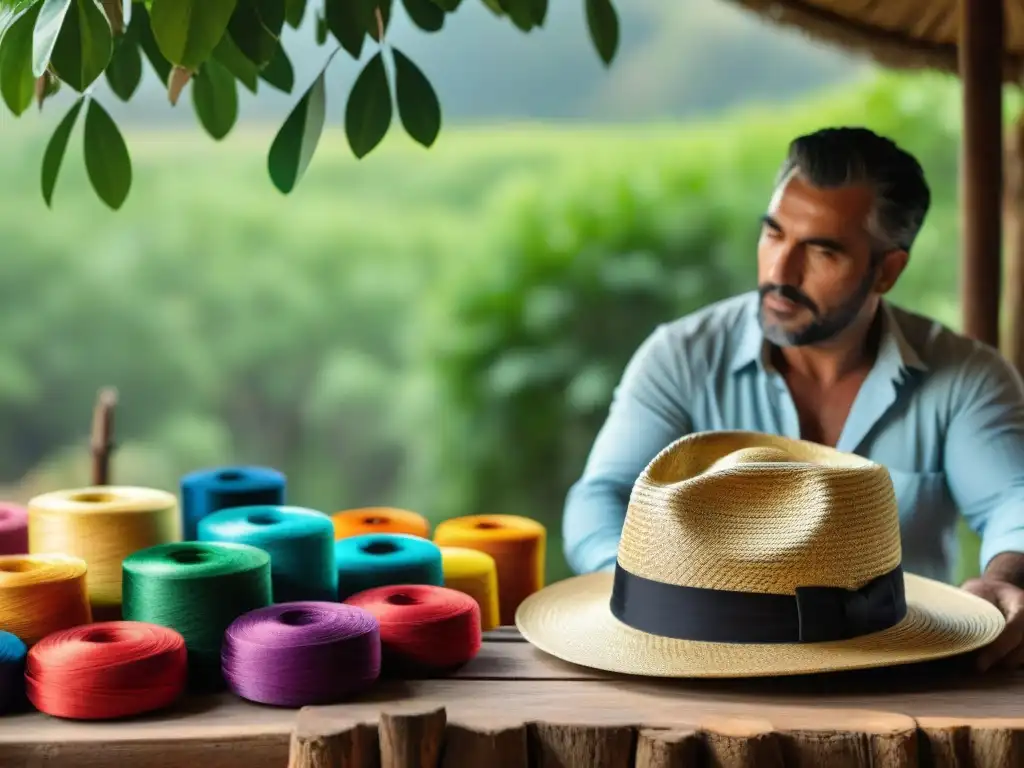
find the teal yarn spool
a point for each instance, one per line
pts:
(198, 589)
(300, 543)
(382, 559)
(12, 672)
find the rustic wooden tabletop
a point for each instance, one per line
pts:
(515, 707)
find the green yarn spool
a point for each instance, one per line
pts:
(198, 589)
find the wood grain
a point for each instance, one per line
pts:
(517, 708)
(511, 660)
(412, 740)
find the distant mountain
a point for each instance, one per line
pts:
(677, 60)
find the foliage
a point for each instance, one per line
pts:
(213, 46)
(529, 341)
(456, 361)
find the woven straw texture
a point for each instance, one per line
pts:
(895, 33)
(755, 513)
(758, 513)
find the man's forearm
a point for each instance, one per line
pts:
(1008, 567)
(594, 513)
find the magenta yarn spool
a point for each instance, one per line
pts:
(13, 529)
(302, 653)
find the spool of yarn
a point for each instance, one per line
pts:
(13, 529)
(517, 545)
(12, 671)
(102, 525)
(106, 670)
(474, 573)
(300, 543)
(424, 630)
(209, 490)
(197, 589)
(40, 594)
(357, 522)
(374, 560)
(302, 653)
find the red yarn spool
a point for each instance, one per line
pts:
(106, 670)
(424, 629)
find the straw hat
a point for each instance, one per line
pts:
(747, 555)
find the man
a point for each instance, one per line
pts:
(816, 353)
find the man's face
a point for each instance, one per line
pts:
(815, 267)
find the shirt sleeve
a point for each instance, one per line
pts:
(984, 459)
(644, 417)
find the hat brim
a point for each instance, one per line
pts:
(572, 621)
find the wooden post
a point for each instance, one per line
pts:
(101, 443)
(1013, 276)
(982, 26)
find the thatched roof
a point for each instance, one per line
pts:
(896, 33)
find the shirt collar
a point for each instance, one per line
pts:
(894, 352)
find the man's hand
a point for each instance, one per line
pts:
(1007, 650)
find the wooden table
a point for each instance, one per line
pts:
(514, 707)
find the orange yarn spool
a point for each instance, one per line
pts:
(424, 629)
(106, 670)
(517, 545)
(356, 522)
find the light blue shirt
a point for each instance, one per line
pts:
(943, 413)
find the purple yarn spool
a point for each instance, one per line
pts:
(13, 529)
(302, 653)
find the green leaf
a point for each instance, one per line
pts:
(418, 106)
(228, 54)
(448, 5)
(107, 161)
(124, 72)
(55, 150)
(187, 31)
(539, 12)
(215, 98)
(367, 10)
(294, 12)
(279, 72)
(603, 23)
(368, 111)
(17, 83)
(48, 25)
(141, 22)
(494, 6)
(521, 13)
(425, 14)
(256, 27)
(345, 23)
(296, 142)
(84, 45)
(321, 29)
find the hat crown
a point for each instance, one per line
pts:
(751, 512)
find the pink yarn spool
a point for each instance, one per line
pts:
(13, 529)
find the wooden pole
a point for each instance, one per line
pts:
(101, 443)
(982, 27)
(1013, 278)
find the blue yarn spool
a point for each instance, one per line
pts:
(12, 671)
(380, 559)
(300, 543)
(209, 490)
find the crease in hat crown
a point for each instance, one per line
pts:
(752, 512)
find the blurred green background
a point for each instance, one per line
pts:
(439, 330)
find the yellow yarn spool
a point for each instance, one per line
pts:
(40, 594)
(475, 573)
(103, 525)
(517, 545)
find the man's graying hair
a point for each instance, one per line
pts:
(837, 157)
